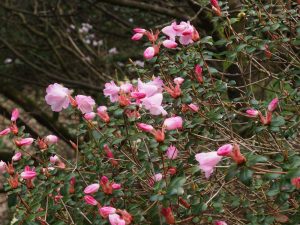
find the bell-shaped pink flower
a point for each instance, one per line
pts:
(145, 127)
(90, 200)
(4, 132)
(252, 112)
(169, 44)
(17, 157)
(58, 97)
(51, 139)
(126, 88)
(111, 90)
(208, 161)
(225, 150)
(24, 142)
(273, 105)
(173, 123)
(149, 52)
(89, 116)
(85, 103)
(15, 115)
(3, 166)
(28, 173)
(93, 188)
(115, 219)
(137, 36)
(172, 152)
(153, 104)
(194, 107)
(105, 211)
(178, 80)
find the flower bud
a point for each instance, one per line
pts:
(90, 200)
(91, 189)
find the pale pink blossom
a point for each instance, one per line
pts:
(24, 142)
(252, 112)
(169, 44)
(111, 90)
(225, 150)
(17, 157)
(90, 200)
(145, 127)
(15, 115)
(126, 88)
(220, 222)
(194, 107)
(58, 97)
(51, 139)
(2, 167)
(149, 89)
(115, 219)
(208, 161)
(93, 188)
(116, 186)
(157, 177)
(178, 80)
(5, 132)
(173, 123)
(85, 103)
(102, 113)
(89, 116)
(172, 152)
(149, 52)
(137, 36)
(105, 211)
(54, 159)
(153, 104)
(28, 173)
(273, 105)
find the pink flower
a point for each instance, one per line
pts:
(172, 152)
(149, 53)
(15, 115)
(153, 104)
(5, 132)
(2, 167)
(116, 186)
(208, 161)
(90, 200)
(137, 95)
(126, 88)
(178, 80)
(151, 88)
(198, 73)
(194, 107)
(214, 3)
(105, 211)
(296, 182)
(51, 139)
(93, 188)
(173, 123)
(139, 30)
(85, 103)
(252, 112)
(28, 173)
(115, 219)
(157, 177)
(102, 113)
(24, 142)
(137, 36)
(58, 97)
(111, 90)
(169, 44)
(145, 127)
(54, 159)
(219, 222)
(17, 156)
(89, 116)
(273, 105)
(225, 150)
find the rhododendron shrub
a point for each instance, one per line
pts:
(173, 146)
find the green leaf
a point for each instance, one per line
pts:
(253, 159)
(245, 175)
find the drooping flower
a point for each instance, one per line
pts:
(91, 189)
(90, 200)
(15, 115)
(252, 112)
(51, 139)
(173, 123)
(85, 103)
(153, 104)
(111, 90)
(172, 152)
(105, 211)
(208, 161)
(169, 44)
(225, 150)
(145, 127)
(24, 142)
(16, 157)
(28, 173)
(102, 113)
(58, 97)
(115, 219)
(5, 132)
(273, 105)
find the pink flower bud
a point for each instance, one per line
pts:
(51, 139)
(178, 80)
(169, 44)
(194, 107)
(273, 104)
(219, 222)
(149, 53)
(2, 167)
(5, 132)
(225, 150)
(15, 115)
(90, 200)
(139, 30)
(173, 123)
(89, 116)
(54, 159)
(93, 188)
(17, 156)
(28, 173)
(145, 127)
(137, 36)
(102, 113)
(137, 95)
(172, 152)
(198, 73)
(24, 142)
(252, 112)
(116, 186)
(104, 179)
(105, 211)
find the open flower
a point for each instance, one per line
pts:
(173, 123)
(105, 211)
(115, 219)
(58, 97)
(85, 103)
(111, 90)
(28, 173)
(51, 139)
(208, 161)
(145, 127)
(172, 152)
